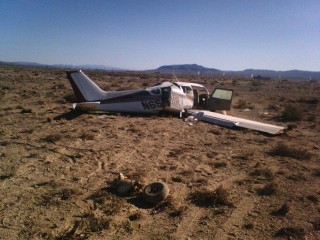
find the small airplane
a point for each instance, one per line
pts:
(190, 99)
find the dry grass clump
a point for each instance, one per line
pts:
(6, 176)
(70, 98)
(313, 198)
(316, 172)
(92, 223)
(291, 233)
(55, 197)
(219, 164)
(263, 172)
(282, 211)
(65, 193)
(110, 204)
(168, 203)
(268, 189)
(292, 113)
(257, 83)
(313, 101)
(316, 225)
(135, 216)
(81, 229)
(87, 136)
(26, 110)
(284, 150)
(177, 211)
(52, 138)
(242, 104)
(207, 198)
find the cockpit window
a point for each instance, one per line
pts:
(156, 91)
(186, 89)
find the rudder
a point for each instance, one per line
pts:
(84, 88)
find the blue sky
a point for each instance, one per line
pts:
(146, 34)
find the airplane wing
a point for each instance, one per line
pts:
(229, 121)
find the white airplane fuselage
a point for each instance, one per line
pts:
(173, 97)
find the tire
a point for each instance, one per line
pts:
(155, 192)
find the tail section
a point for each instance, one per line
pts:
(84, 88)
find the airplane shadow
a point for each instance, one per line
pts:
(72, 114)
(134, 198)
(139, 202)
(69, 115)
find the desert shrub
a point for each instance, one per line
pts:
(313, 198)
(264, 172)
(65, 193)
(52, 138)
(207, 198)
(92, 223)
(81, 229)
(124, 88)
(241, 104)
(282, 211)
(257, 83)
(248, 226)
(313, 101)
(272, 106)
(284, 150)
(316, 225)
(292, 113)
(268, 189)
(291, 233)
(297, 177)
(316, 172)
(168, 203)
(219, 164)
(111, 204)
(135, 216)
(5, 88)
(6, 176)
(26, 110)
(70, 98)
(312, 118)
(176, 212)
(87, 136)
(177, 179)
(115, 84)
(60, 86)
(215, 131)
(3, 143)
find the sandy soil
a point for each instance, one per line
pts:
(56, 166)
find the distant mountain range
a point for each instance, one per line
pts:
(86, 66)
(195, 70)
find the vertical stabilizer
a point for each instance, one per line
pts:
(84, 88)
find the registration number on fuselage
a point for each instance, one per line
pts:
(151, 104)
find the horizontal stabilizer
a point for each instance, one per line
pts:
(85, 105)
(229, 121)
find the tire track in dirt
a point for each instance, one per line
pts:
(187, 225)
(236, 218)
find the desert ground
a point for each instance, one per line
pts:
(57, 166)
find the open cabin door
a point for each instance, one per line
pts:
(220, 99)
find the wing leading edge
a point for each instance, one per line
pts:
(230, 121)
